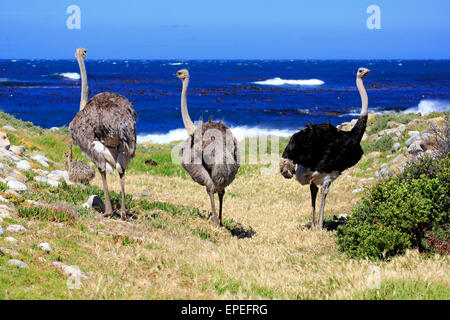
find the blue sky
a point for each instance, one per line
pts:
(232, 29)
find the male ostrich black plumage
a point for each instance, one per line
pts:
(105, 130)
(322, 152)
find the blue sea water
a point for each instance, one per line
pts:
(251, 96)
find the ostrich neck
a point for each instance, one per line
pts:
(364, 98)
(360, 126)
(84, 85)
(184, 111)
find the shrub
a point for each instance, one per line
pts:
(398, 212)
(55, 212)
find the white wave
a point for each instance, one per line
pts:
(69, 75)
(280, 82)
(428, 106)
(239, 132)
(176, 63)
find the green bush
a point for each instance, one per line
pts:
(398, 212)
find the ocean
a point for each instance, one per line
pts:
(252, 97)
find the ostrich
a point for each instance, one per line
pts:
(210, 155)
(321, 152)
(78, 171)
(105, 130)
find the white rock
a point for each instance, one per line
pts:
(54, 129)
(18, 263)
(9, 128)
(41, 179)
(415, 147)
(9, 252)
(72, 271)
(96, 203)
(57, 175)
(41, 159)
(356, 190)
(412, 140)
(15, 228)
(413, 133)
(17, 186)
(396, 147)
(11, 239)
(5, 214)
(45, 246)
(1, 231)
(23, 165)
(53, 183)
(343, 216)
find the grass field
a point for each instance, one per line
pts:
(172, 251)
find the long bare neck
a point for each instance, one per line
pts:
(188, 124)
(84, 85)
(364, 98)
(360, 126)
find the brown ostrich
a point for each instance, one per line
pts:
(321, 152)
(210, 155)
(105, 130)
(78, 171)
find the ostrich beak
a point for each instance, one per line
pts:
(174, 74)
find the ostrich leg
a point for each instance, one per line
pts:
(325, 189)
(108, 206)
(221, 194)
(213, 208)
(313, 188)
(123, 211)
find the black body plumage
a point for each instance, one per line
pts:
(324, 148)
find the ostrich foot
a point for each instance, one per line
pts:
(107, 214)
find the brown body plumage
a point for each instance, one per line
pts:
(78, 171)
(210, 155)
(105, 130)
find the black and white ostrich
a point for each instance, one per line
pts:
(322, 152)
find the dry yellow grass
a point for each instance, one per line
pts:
(283, 260)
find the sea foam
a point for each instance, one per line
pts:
(240, 132)
(280, 82)
(428, 106)
(68, 75)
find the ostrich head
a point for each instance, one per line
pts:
(182, 74)
(81, 53)
(362, 72)
(287, 168)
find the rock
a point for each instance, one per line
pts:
(18, 263)
(13, 193)
(411, 140)
(1, 231)
(145, 193)
(45, 246)
(15, 228)
(53, 183)
(54, 129)
(415, 148)
(72, 271)
(392, 124)
(384, 172)
(96, 203)
(413, 133)
(343, 216)
(57, 175)
(15, 175)
(4, 141)
(8, 252)
(374, 154)
(17, 186)
(373, 137)
(17, 150)
(41, 179)
(9, 128)
(5, 214)
(41, 159)
(23, 165)
(11, 239)
(356, 190)
(396, 147)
